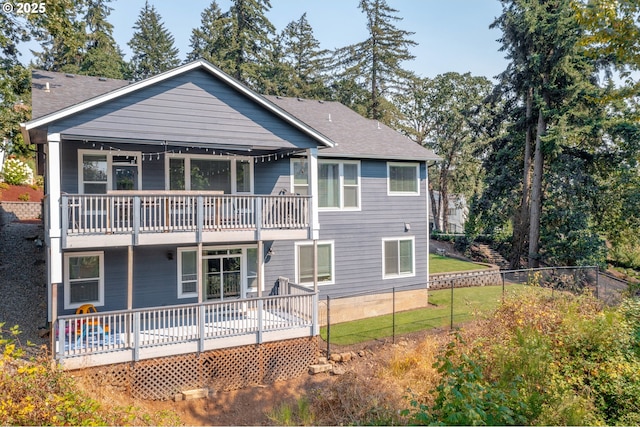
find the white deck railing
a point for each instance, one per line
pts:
(155, 213)
(134, 331)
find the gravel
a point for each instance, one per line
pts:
(23, 284)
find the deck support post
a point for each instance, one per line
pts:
(260, 319)
(201, 328)
(136, 336)
(260, 267)
(200, 279)
(315, 265)
(129, 277)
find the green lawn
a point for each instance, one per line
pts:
(443, 264)
(466, 302)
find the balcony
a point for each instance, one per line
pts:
(179, 217)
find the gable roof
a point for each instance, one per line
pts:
(355, 136)
(90, 102)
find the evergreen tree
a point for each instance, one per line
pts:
(62, 35)
(376, 62)
(212, 40)
(15, 85)
(308, 63)
(250, 40)
(152, 45)
(103, 56)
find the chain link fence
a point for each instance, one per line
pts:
(449, 300)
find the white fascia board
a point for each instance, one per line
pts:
(167, 75)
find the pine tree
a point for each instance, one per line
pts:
(308, 63)
(152, 45)
(103, 56)
(212, 40)
(377, 61)
(61, 33)
(250, 40)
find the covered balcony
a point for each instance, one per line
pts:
(122, 218)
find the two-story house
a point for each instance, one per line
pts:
(176, 205)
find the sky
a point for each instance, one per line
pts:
(452, 35)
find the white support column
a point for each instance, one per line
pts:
(260, 271)
(199, 273)
(130, 278)
(54, 232)
(315, 265)
(312, 159)
(426, 192)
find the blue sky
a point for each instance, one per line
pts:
(452, 35)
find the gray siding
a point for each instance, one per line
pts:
(358, 236)
(191, 108)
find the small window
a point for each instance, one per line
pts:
(187, 273)
(84, 279)
(300, 172)
(94, 174)
(304, 254)
(403, 178)
(398, 259)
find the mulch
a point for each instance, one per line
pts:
(13, 193)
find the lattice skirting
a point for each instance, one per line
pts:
(225, 369)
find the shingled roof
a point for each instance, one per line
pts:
(355, 136)
(52, 91)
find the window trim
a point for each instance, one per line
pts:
(181, 293)
(187, 168)
(109, 154)
(68, 305)
(297, 245)
(412, 239)
(403, 193)
(341, 184)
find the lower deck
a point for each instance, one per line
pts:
(123, 336)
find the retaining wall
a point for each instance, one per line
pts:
(13, 211)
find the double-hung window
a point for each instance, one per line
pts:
(398, 257)
(187, 273)
(403, 178)
(304, 263)
(338, 183)
(84, 279)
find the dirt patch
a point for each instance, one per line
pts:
(20, 193)
(251, 405)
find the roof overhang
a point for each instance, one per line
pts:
(199, 64)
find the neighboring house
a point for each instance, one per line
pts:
(457, 213)
(176, 206)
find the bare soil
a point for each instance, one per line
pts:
(13, 193)
(252, 405)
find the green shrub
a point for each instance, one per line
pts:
(16, 172)
(24, 197)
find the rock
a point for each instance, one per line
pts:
(338, 370)
(362, 353)
(335, 357)
(198, 393)
(320, 368)
(345, 357)
(322, 360)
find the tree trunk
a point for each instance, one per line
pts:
(434, 208)
(521, 218)
(444, 203)
(536, 194)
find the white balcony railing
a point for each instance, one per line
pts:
(134, 333)
(146, 212)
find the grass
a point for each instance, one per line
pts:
(443, 264)
(466, 303)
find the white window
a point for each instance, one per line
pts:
(403, 178)
(304, 263)
(187, 273)
(83, 279)
(101, 171)
(338, 183)
(397, 257)
(209, 173)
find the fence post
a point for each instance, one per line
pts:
(394, 315)
(451, 325)
(328, 326)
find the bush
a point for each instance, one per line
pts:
(16, 172)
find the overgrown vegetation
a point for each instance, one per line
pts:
(32, 392)
(539, 359)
